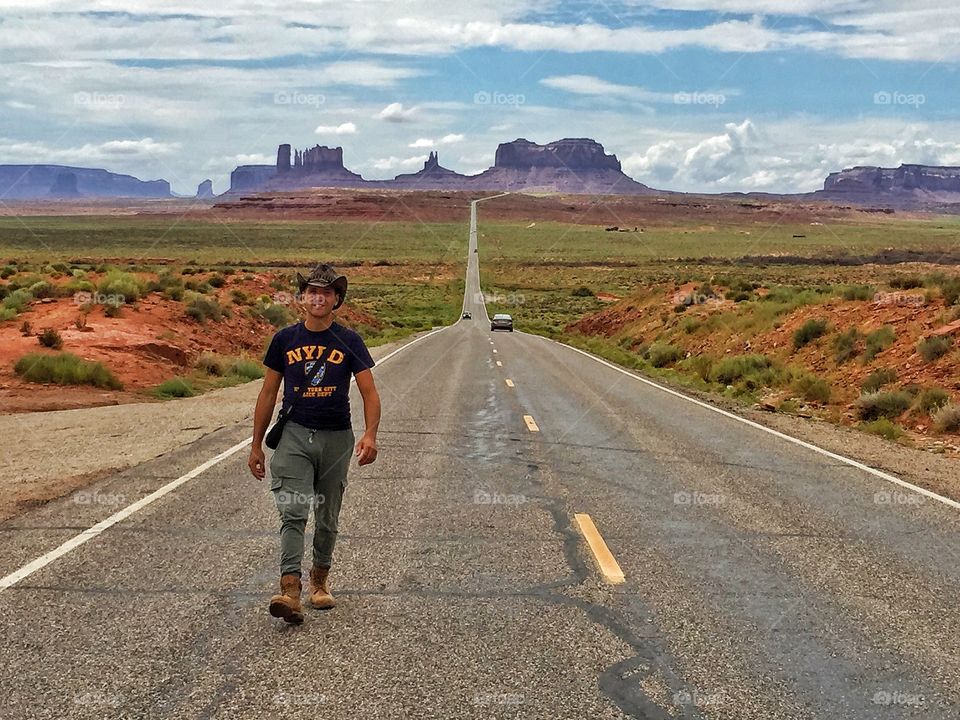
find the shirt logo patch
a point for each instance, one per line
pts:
(308, 368)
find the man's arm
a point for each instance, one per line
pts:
(262, 413)
(367, 445)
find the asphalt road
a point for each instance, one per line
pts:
(762, 579)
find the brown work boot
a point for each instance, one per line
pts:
(320, 596)
(287, 605)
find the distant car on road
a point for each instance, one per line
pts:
(466, 315)
(501, 321)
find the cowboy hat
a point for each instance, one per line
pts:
(324, 275)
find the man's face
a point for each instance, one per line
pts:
(319, 302)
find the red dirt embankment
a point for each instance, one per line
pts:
(151, 341)
(719, 328)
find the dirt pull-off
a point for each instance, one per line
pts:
(50, 454)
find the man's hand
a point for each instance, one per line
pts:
(257, 463)
(367, 449)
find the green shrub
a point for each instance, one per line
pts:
(878, 341)
(947, 418)
(113, 307)
(7, 314)
(788, 406)
(202, 308)
(43, 289)
(217, 280)
(884, 428)
(700, 365)
(204, 288)
(661, 354)
(50, 338)
(17, 300)
(274, 313)
(25, 281)
(737, 367)
(905, 282)
(247, 369)
(934, 348)
(122, 285)
(7, 271)
(65, 369)
(857, 292)
(170, 285)
(887, 404)
(877, 379)
(239, 297)
(808, 332)
(812, 388)
(212, 363)
(79, 285)
(846, 345)
(175, 387)
(951, 291)
(932, 399)
(583, 291)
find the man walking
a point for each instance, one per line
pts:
(309, 466)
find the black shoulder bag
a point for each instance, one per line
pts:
(273, 436)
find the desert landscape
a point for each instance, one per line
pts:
(431, 360)
(821, 301)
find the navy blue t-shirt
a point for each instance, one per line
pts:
(294, 350)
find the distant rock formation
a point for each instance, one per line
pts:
(905, 178)
(316, 166)
(573, 153)
(205, 190)
(907, 186)
(433, 176)
(574, 165)
(38, 182)
(283, 159)
(250, 178)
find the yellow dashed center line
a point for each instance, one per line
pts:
(531, 423)
(609, 567)
(509, 382)
(494, 349)
(499, 364)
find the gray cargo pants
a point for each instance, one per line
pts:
(309, 469)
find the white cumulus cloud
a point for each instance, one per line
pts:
(396, 113)
(347, 128)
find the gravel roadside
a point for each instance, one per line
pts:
(50, 454)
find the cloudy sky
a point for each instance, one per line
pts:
(693, 95)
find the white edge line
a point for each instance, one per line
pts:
(783, 436)
(92, 532)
